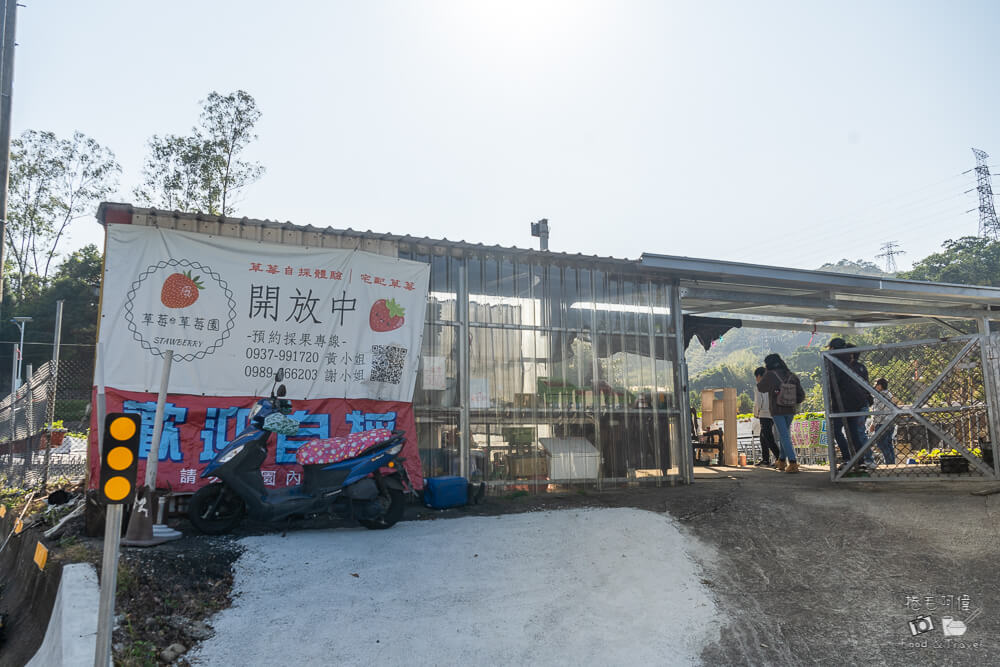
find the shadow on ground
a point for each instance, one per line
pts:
(811, 572)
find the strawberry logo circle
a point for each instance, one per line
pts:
(181, 305)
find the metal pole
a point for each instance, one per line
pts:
(463, 365)
(595, 369)
(988, 355)
(29, 412)
(101, 407)
(686, 458)
(20, 360)
(654, 395)
(109, 583)
(152, 461)
(6, 90)
(13, 395)
(50, 408)
(827, 379)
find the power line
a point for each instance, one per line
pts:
(889, 251)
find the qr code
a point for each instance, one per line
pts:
(387, 363)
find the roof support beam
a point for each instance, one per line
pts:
(836, 307)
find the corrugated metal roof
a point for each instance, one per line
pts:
(107, 211)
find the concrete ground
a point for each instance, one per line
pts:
(812, 572)
(808, 572)
(586, 586)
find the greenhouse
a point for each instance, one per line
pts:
(542, 369)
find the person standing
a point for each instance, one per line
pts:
(762, 411)
(784, 393)
(885, 442)
(849, 396)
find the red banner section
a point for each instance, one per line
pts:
(196, 428)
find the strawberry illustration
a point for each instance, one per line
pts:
(386, 315)
(180, 290)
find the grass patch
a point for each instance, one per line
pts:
(139, 654)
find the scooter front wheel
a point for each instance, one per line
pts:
(215, 509)
(392, 513)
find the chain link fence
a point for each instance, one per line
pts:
(931, 420)
(43, 425)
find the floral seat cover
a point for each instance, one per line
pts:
(331, 450)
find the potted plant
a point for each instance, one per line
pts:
(953, 462)
(54, 433)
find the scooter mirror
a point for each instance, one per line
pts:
(281, 390)
(279, 376)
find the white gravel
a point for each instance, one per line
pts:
(573, 587)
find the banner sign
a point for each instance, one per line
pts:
(809, 432)
(196, 428)
(344, 325)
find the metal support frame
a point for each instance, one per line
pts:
(989, 356)
(686, 458)
(596, 383)
(464, 419)
(916, 411)
(835, 306)
(654, 398)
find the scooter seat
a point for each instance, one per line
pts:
(332, 450)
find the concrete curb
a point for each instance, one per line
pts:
(71, 636)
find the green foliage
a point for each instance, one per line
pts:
(52, 183)
(202, 171)
(76, 282)
(744, 402)
(860, 267)
(969, 260)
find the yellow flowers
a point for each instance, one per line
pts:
(934, 455)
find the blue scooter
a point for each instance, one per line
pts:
(346, 482)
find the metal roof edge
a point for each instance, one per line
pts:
(691, 267)
(479, 248)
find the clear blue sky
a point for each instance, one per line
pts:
(789, 133)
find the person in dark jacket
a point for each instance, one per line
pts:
(781, 412)
(849, 396)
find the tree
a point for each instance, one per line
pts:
(970, 260)
(76, 281)
(203, 171)
(859, 267)
(174, 174)
(52, 183)
(228, 124)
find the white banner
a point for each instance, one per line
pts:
(341, 323)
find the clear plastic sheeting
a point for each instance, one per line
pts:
(560, 352)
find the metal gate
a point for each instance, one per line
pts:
(934, 422)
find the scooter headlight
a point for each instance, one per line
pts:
(397, 449)
(255, 410)
(228, 456)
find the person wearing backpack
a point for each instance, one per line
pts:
(784, 391)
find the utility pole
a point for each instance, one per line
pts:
(6, 90)
(889, 251)
(989, 226)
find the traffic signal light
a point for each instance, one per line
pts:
(119, 457)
